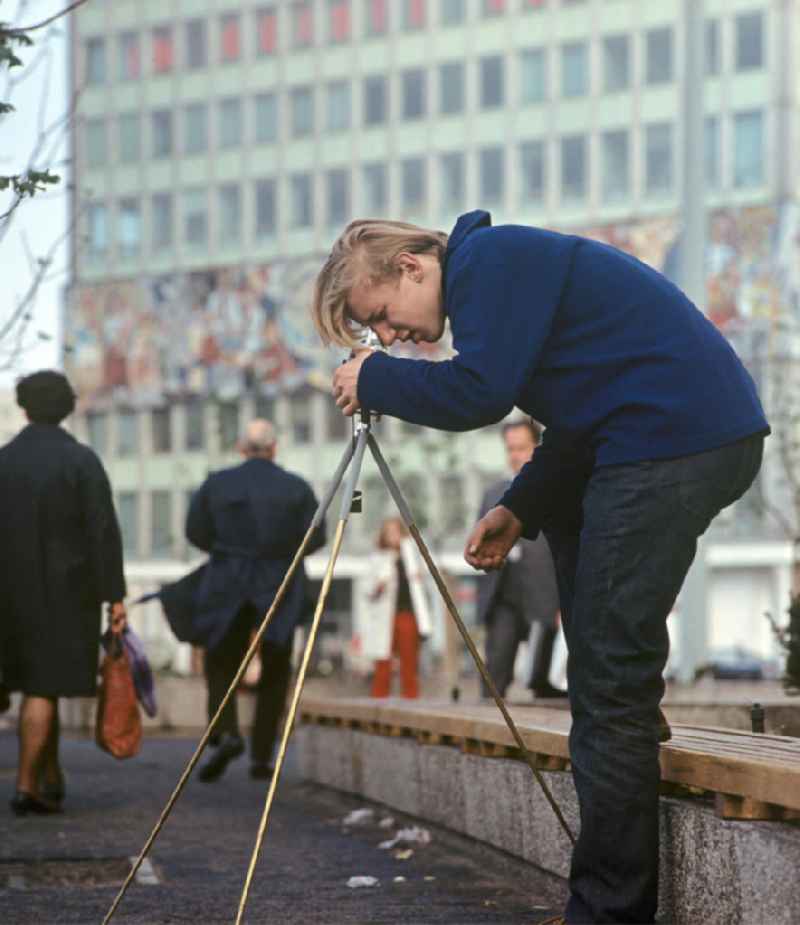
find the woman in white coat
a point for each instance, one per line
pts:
(399, 608)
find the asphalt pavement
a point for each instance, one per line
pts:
(67, 868)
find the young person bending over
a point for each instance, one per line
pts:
(652, 427)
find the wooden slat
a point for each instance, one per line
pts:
(729, 806)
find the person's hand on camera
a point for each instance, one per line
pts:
(492, 538)
(117, 617)
(345, 382)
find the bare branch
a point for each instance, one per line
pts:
(31, 67)
(59, 125)
(28, 252)
(44, 99)
(46, 22)
(17, 322)
(9, 212)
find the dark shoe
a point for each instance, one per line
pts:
(23, 803)
(664, 731)
(229, 747)
(547, 692)
(262, 771)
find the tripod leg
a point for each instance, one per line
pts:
(256, 641)
(405, 513)
(347, 499)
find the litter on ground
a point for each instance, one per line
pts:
(414, 835)
(358, 817)
(355, 882)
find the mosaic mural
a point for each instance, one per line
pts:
(752, 259)
(224, 331)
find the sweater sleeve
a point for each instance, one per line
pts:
(550, 487)
(501, 310)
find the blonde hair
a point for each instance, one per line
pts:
(367, 248)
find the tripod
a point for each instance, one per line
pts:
(350, 465)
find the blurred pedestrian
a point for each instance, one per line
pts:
(60, 559)
(251, 519)
(653, 426)
(520, 600)
(400, 616)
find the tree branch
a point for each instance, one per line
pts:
(46, 22)
(17, 322)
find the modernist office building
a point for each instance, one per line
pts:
(222, 144)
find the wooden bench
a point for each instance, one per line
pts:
(749, 776)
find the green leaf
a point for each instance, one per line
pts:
(8, 57)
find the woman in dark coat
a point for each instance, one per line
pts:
(60, 559)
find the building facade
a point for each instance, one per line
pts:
(221, 146)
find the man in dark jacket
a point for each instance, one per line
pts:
(519, 601)
(653, 426)
(60, 559)
(251, 519)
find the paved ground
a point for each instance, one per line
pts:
(66, 869)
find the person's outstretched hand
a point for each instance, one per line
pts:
(492, 538)
(345, 382)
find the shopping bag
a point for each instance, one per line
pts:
(140, 667)
(118, 727)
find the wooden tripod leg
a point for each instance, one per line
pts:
(319, 516)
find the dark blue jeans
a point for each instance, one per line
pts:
(621, 556)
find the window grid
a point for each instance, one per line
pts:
(612, 146)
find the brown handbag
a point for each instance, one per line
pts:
(118, 726)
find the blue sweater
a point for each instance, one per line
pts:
(613, 358)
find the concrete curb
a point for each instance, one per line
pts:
(712, 871)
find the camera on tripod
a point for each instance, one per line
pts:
(368, 338)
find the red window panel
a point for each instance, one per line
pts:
(493, 7)
(163, 53)
(267, 28)
(534, 4)
(303, 24)
(378, 17)
(340, 21)
(133, 63)
(415, 13)
(231, 39)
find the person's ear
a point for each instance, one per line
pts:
(411, 265)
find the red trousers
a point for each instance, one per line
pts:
(405, 645)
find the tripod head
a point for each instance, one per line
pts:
(363, 418)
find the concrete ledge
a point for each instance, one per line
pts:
(713, 871)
